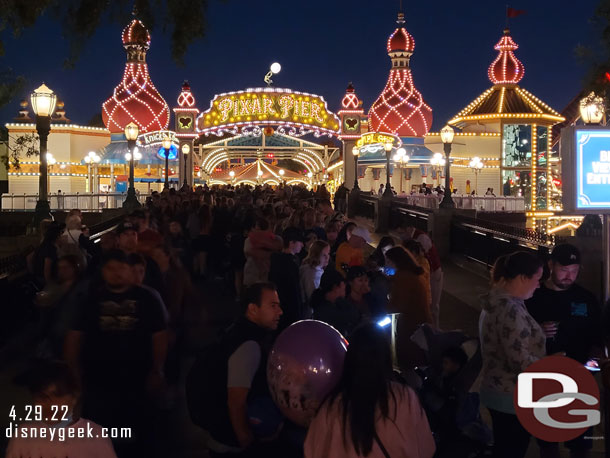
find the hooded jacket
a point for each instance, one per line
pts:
(511, 340)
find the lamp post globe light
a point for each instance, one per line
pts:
(186, 149)
(167, 144)
(274, 69)
(401, 158)
(388, 187)
(43, 103)
(592, 109)
(92, 159)
(281, 172)
(447, 134)
(356, 153)
(476, 165)
(131, 134)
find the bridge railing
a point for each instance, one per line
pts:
(479, 203)
(84, 201)
(482, 240)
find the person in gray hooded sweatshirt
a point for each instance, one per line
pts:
(511, 340)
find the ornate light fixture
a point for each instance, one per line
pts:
(592, 109)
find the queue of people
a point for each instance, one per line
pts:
(116, 317)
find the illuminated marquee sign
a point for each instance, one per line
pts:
(374, 138)
(249, 112)
(585, 155)
(156, 138)
(371, 146)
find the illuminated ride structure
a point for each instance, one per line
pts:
(524, 122)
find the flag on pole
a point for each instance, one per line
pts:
(512, 12)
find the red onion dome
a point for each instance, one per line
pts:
(506, 69)
(136, 34)
(401, 40)
(136, 99)
(400, 108)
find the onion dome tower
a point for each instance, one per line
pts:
(505, 99)
(136, 99)
(506, 69)
(400, 108)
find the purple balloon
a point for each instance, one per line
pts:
(305, 364)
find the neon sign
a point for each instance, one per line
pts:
(156, 138)
(375, 138)
(251, 111)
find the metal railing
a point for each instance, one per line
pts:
(484, 241)
(12, 264)
(479, 203)
(84, 201)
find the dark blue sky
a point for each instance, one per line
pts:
(322, 45)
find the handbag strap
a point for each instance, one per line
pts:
(383, 449)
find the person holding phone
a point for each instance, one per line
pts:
(570, 317)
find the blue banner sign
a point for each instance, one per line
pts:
(592, 169)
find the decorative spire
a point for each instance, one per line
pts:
(186, 99)
(400, 108)
(60, 113)
(400, 41)
(350, 99)
(136, 99)
(506, 69)
(24, 113)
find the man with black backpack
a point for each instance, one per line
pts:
(229, 378)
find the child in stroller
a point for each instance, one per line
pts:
(454, 363)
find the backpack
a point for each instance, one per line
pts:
(206, 387)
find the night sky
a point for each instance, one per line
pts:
(322, 46)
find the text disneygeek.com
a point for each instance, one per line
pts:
(61, 434)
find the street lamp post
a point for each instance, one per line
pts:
(401, 158)
(167, 144)
(92, 159)
(131, 134)
(447, 134)
(282, 175)
(388, 187)
(476, 165)
(437, 162)
(43, 103)
(310, 176)
(355, 152)
(232, 175)
(186, 149)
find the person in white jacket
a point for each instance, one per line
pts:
(313, 267)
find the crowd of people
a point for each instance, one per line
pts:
(118, 319)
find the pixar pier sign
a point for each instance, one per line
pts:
(289, 110)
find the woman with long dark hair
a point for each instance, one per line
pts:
(368, 414)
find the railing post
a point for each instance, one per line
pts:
(382, 222)
(352, 202)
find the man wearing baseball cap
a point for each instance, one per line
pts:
(570, 316)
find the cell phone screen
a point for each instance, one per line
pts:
(592, 365)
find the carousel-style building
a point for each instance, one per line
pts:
(273, 135)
